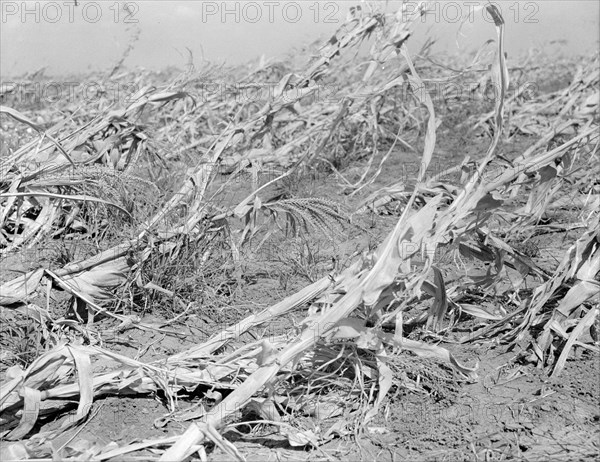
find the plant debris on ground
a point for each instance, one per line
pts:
(329, 260)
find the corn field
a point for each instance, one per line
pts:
(282, 276)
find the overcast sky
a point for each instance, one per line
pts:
(66, 38)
